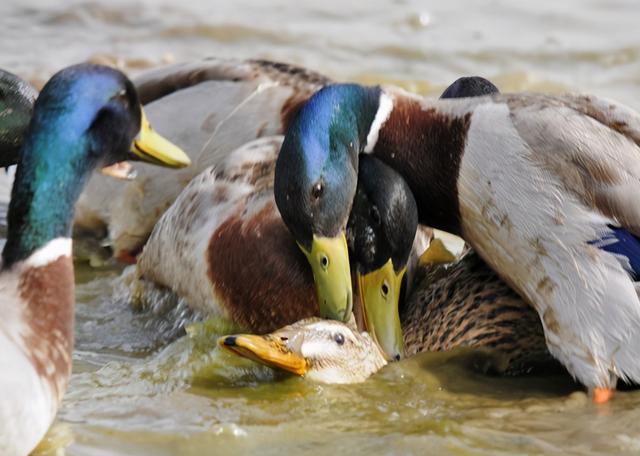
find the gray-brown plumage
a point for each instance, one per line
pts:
(466, 304)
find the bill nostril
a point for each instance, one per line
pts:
(231, 340)
(397, 357)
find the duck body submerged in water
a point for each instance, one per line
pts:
(466, 304)
(86, 116)
(540, 186)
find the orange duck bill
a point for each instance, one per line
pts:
(268, 350)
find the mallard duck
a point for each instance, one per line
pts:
(326, 351)
(540, 186)
(224, 232)
(16, 105)
(383, 219)
(452, 304)
(223, 247)
(86, 116)
(229, 103)
(460, 305)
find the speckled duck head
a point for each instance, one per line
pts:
(86, 116)
(16, 106)
(325, 351)
(315, 182)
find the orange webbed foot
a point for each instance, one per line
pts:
(602, 395)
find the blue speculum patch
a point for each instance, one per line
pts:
(623, 244)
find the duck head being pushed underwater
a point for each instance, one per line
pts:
(325, 351)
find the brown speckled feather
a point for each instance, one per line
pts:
(467, 305)
(48, 292)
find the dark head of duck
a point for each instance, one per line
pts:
(86, 116)
(315, 185)
(16, 106)
(380, 231)
(315, 181)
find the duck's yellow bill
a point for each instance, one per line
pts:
(266, 350)
(437, 253)
(329, 259)
(149, 146)
(380, 295)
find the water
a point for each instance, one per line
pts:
(141, 387)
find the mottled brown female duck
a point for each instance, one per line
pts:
(466, 304)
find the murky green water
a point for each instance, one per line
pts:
(133, 392)
(141, 387)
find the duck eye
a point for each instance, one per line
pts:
(339, 338)
(324, 261)
(385, 289)
(317, 190)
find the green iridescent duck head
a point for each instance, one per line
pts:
(86, 117)
(315, 182)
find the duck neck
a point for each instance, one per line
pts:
(47, 185)
(425, 146)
